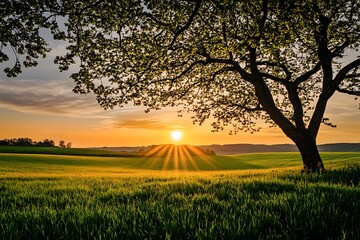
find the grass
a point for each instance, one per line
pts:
(64, 151)
(33, 164)
(252, 196)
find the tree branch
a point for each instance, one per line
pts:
(350, 92)
(324, 54)
(300, 36)
(298, 108)
(90, 6)
(307, 75)
(276, 64)
(245, 75)
(352, 76)
(327, 92)
(185, 71)
(253, 63)
(282, 66)
(149, 15)
(225, 39)
(188, 23)
(248, 109)
(274, 78)
(342, 73)
(337, 50)
(263, 18)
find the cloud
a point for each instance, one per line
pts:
(343, 108)
(142, 123)
(55, 97)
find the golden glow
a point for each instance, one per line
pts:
(176, 135)
(177, 157)
(98, 130)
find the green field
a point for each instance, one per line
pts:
(250, 196)
(63, 151)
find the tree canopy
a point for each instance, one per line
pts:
(20, 26)
(237, 61)
(26, 142)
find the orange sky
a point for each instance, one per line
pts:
(132, 127)
(40, 104)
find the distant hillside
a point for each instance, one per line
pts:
(160, 150)
(253, 148)
(119, 149)
(340, 147)
(179, 150)
(258, 148)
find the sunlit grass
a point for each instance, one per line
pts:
(239, 204)
(74, 197)
(51, 165)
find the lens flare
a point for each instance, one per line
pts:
(176, 135)
(178, 157)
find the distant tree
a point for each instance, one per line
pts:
(13, 142)
(62, 144)
(4, 142)
(141, 150)
(23, 142)
(27, 142)
(68, 145)
(48, 143)
(210, 152)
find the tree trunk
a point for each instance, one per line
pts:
(310, 155)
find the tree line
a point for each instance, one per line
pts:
(29, 142)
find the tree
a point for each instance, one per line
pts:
(62, 144)
(210, 152)
(20, 25)
(4, 142)
(48, 143)
(23, 142)
(68, 145)
(237, 61)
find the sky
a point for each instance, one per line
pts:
(40, 104)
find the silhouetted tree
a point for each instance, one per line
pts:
(4, 142)
(23, 142)
(19, 31)
(68, 145)
(26, 142)
(237, 61)
(48, 143)
(210, 152)
(62, 144)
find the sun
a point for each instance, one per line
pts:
(176, 135)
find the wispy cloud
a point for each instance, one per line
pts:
(142, 123)
(343, 108)
(54, 97)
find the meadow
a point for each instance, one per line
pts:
(247, 196)
(64, 151)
